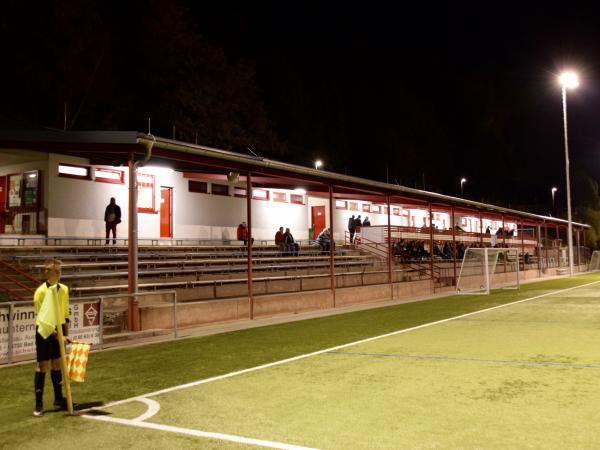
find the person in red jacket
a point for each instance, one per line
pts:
(280, 240)
(242, 233)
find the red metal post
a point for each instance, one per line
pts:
(546, 243)
(250, 244)
(558, 248)
(133, 316)
(389, 238)
(480, 229)
(503, 232)
(431, 241)
(577, 259)
(454, 253)
(523, 242)
(331, 243)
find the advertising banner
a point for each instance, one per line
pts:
(84, 326)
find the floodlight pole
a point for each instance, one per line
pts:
(569, 218)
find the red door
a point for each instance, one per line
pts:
(2, 203)
(318, 220)
(166, 217)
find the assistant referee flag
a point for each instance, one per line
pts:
(49, 317)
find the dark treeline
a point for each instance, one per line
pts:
(421, 97)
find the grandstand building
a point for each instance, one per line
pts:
(54, 187)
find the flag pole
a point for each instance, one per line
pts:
(63, 356)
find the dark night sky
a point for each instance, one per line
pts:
(432, 93)
(474, 88)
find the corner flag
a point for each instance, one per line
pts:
(78, 361)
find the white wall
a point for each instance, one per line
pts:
(76, 208)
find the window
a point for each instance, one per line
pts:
(31, 188)
(109, 176)
(198, 186)
(341, 204)
(366, 207)
(145, 187)
(260, 194)
(297, 199)
(376, 209)
(239, 192)
(279, 197)
(14, 190)
(385, 209)
(73, 171)
(396, 211)
(219, 189)
(352, 206)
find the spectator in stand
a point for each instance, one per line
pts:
(357, 226)
(366, 222)
(325, 240)
(242, 233)
(112, 217)
(291, 248)
(499, 231)
(280, 241)
(488, 231)
(351, 227)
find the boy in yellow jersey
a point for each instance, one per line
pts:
(48, 350)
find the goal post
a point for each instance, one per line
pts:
(484, 269)
(595, 261)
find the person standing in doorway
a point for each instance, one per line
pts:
(112, 217)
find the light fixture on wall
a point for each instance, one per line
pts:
(156, 170)
(233, 177)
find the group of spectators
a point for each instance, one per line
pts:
(354, 225)
(324, 240)
(406, 250)
(285, 243)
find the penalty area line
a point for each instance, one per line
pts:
(199, 433)
(333, 349)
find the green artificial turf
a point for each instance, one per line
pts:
(118, 374)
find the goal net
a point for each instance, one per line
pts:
(595, 261)
(484, 269)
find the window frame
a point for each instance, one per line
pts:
(101, 179)
(224, 192)
(192, 187)
(88, 175)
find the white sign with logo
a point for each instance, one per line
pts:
(84, 327)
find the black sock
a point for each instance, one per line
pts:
(40, 378)
(57, 384)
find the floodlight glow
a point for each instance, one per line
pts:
(318, 163)
(554, 190)
(569, 80)
(157, 170)
(463, 180)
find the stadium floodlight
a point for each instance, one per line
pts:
(462, 181)
(484, 269)
(318, 163)
(553, 192)
(568, 80)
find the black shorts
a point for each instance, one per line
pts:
(46, 349)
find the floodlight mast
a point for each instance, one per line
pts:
(568, 80)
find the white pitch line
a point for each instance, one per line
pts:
(153, 408)
(327, 350)
(203, 434)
